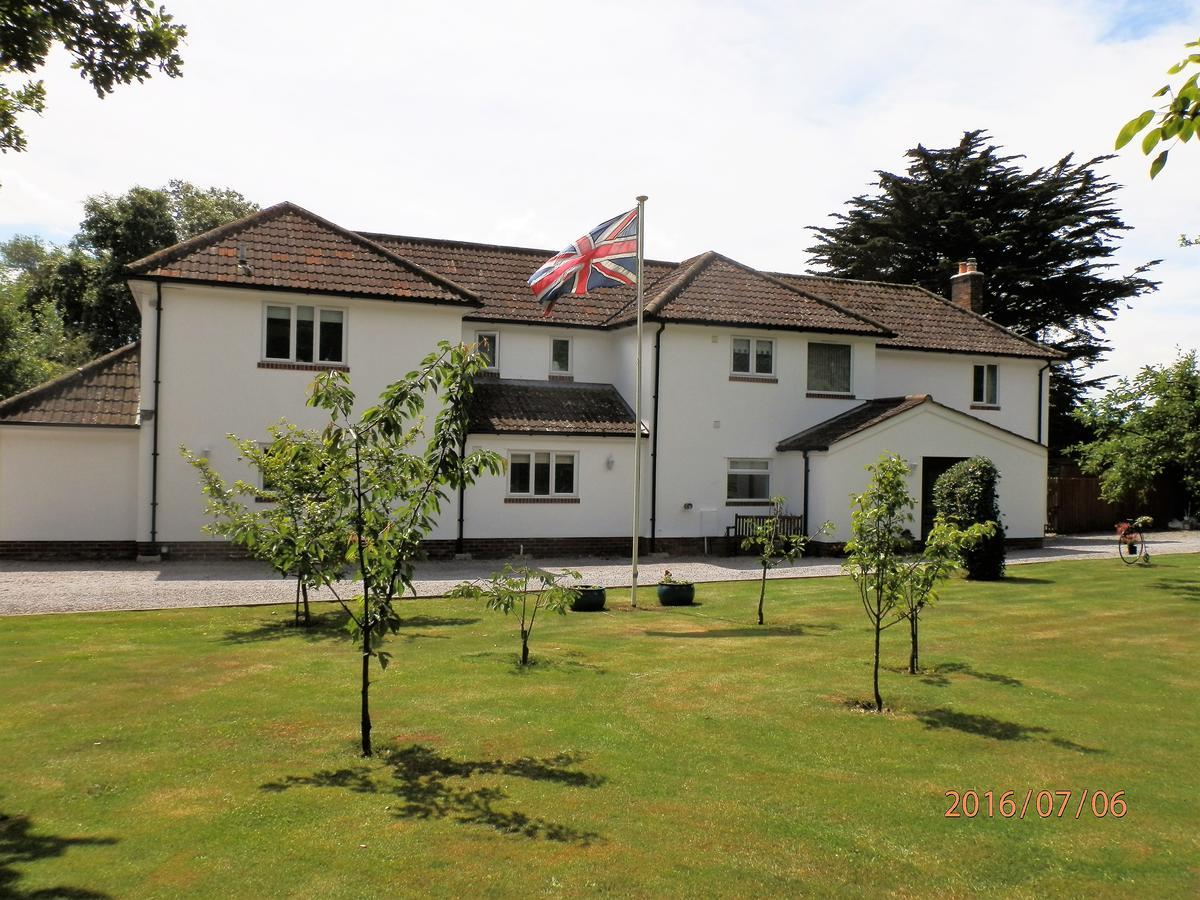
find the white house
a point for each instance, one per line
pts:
(756, 384)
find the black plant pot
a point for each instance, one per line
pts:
(591, 598)
(676, 594)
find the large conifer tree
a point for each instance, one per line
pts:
(1043, 238)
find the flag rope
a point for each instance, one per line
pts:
(637, 405)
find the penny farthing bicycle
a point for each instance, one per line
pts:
(1131, 542)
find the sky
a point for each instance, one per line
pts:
(528, 123)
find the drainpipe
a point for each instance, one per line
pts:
(462, 497)
(804, 506)
(654, 438)
(1039, 400)
(154, 428)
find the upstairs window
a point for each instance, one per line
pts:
(748, 479)
(984, 387)
(753, 356)
(489, 348)
(829, 368)
(304, 334)
(541, 474)
(560, 356)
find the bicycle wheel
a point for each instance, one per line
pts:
(1130, 546)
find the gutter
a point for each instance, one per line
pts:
(158, 306)
(1039, 403)
(654, 438)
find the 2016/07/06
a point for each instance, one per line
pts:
(1045, 804)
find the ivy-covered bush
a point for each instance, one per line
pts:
(966, 494)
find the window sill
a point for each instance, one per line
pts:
(828, 395)
(994, 406)
(748, 503)
(766, 379)
(541, 499)
(302, 366)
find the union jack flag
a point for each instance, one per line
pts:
(604, 257)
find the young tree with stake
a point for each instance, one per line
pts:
(774, 547)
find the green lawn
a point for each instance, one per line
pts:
(653, 752)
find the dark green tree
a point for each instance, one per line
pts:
(1043, 237)
(111, 42)
(86, 278)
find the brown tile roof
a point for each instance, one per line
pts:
(860, 418)
(512, 406)
(711, 288)
(286, 247)
(920, 320)
(102, 393)
(499, 276)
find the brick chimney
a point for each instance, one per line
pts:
(966, 288)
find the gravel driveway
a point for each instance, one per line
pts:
(54, 587)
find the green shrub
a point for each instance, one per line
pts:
(966, 494)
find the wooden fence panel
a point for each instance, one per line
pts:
(1074, 505)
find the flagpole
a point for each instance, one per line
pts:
(637, 404)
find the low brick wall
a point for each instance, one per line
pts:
(67, 550)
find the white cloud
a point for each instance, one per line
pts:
(524, 123)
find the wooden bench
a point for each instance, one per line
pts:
(745, 526)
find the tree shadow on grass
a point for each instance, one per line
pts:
(537, 662)
(1020, 579)
(799, 629)
(426, 784)
(1184, 589)
(995, 729)
(938, 676)
(19, 845)
(332, 626)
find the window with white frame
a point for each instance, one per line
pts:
(829, 368)
(489, 348)
(984, 385)
(541, 473)
(752, 356)
(560, 356)
(748, 479)
(305, 334)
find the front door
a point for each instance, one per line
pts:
(931, 469)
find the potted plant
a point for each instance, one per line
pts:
(590, 598)
(672, 592)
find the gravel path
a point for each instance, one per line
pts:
(31, 587)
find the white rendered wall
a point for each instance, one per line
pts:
(605, 507)
(705, 419)
(525, 350)
(212, 385)
(929, 431)
(947, 377)
(68, 484)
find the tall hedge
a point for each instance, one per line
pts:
(966, 494)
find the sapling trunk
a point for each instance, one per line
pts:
(296, 614)
(524, 647)
(762, 591)
(307, 614)
(365, 724)
(913, 661)
(878, 629)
